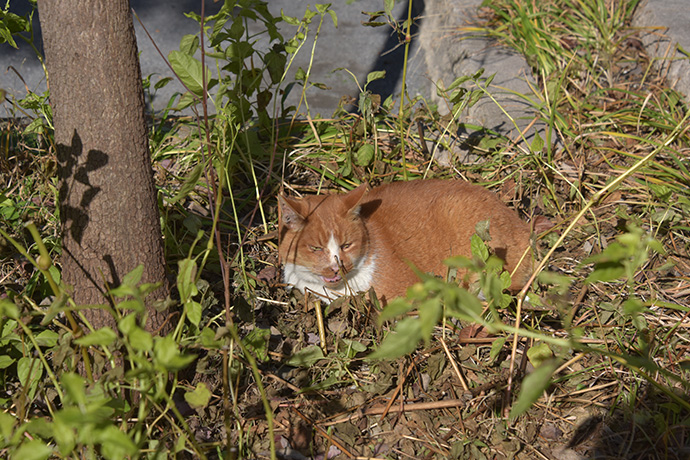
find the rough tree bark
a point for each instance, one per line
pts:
(107, 196)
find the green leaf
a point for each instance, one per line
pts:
(75, 387)
(334, 18)
(189, 44)
(397, 307)
(376, 75)
(464, 305)
(8, 309)
(29, 371)
(237, 29)
(354, 345)
(496, 348)
(186, 277)
(305, 357)
(47, 338)
(198, 398)
(162, 83)
(124, 290)
(364, 155)
(168, 355)
(189, 184)
(293, 21)
(65, 437)
(37, 126)
(275, 61)
(537, 143)
(539, 353)
(189, 70)
(532, 388)
(388, 6)
(115, 444)
(193, 310)
(6, 361)
(6, 427)
(257, 341)
(479, 248)
(300, 74)
(32, 450)
(403, 341)
(101, 337)
(606, 271)
(633, 306)
(12, 24)
(140, 339)
(429, 315)
(133, 278)
(208, 339)
(127, 323)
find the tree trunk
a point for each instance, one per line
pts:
(108, 205)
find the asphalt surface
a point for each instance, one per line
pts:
(438, 51)
(351, 46)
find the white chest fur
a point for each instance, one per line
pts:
(357, 280)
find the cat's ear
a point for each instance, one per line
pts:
(289, 214)
(353, 200)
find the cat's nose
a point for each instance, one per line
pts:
(335, 265)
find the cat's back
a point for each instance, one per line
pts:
(426, 221)
(431, 202)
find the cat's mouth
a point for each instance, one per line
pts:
(332, 280)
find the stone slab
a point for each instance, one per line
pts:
(451, 52)
(665, 31)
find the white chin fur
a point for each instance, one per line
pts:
(359, 279)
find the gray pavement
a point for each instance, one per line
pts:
(665, 31)
(352, 46)
(439, 52)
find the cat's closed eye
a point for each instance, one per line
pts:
(345, 246)
(315, 248)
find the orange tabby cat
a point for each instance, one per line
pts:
(333, 245)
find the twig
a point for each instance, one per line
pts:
(454, 364)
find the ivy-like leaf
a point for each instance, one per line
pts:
(539, 353)
(198, 398)
(364, 155)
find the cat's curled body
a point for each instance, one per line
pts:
(338, 244)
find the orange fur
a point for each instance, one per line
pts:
(364, 239)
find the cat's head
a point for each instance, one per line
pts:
(324, 234)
